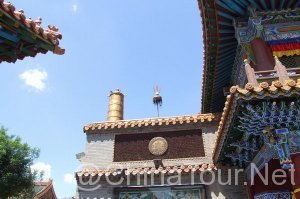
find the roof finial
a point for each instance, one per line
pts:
(38, 21)
(157, 99)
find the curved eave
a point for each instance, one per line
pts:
(220, 43)
(238, 95)
(47, 192)
(22, 37)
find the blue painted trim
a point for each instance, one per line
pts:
(273, 5)
(242, 4)
(220, 3)
(226, 61)
(255, 4)
(8, 36)
(263, 3)
(223, 70)
(227, 49)
(226, 38)
(233, 5)
(224, 57)
(223, 73)
(284, 41)
(228, 44)
(224, 79)
(226, 31)
(281, 4)
(226, 54)
(271, 194)
(225, 23)
(220, 87)
(225, 15)
(229, 56)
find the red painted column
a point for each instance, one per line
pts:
(263, 55)
(250, 192)
(249, 188)
(296, 161)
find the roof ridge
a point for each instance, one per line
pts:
(147, 122)
(50, 34)
(154, 118)
(147, 170)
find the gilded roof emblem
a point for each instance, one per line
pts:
(158, 146)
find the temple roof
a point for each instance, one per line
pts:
(147, 170)
(264, 91)
(44, 190)
(150, 123)
(21, 36)
(220, 44)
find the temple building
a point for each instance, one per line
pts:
(44, 190)
(41, 190)
(140, 158)
(22, 37)
(247, 132)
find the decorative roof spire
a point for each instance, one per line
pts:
(157, 99)
(38, 21)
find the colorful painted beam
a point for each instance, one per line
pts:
(220, 14)
(248, 112)
(21, 36)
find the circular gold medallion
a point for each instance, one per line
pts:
(158, 146)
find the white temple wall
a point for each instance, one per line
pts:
(99, 151)
(209, 135)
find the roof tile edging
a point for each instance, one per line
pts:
(251, 92)
(151, 122)
(147, 170)
(51, 34)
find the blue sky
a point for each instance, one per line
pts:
(131, 45)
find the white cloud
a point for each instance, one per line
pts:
(74, 7)
(42, 167)
(35, 78)
(69, 178)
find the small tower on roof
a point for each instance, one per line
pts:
(115, 106)
(157, 99)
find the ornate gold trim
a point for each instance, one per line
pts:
(158, 146)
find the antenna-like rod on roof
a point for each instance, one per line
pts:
(157, 99)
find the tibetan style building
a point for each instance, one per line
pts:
(249, 123)
(143, 158)
(22, 37)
